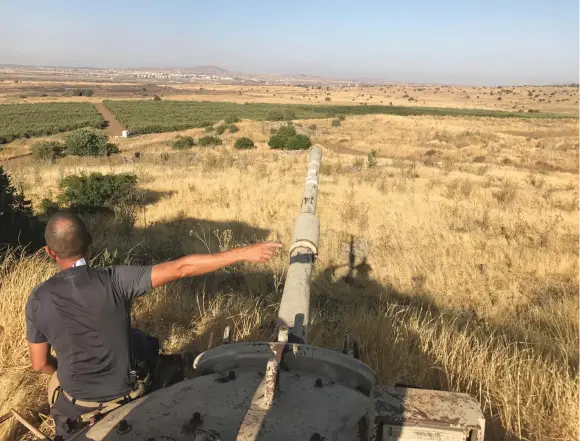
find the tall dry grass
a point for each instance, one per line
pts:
(464, 280)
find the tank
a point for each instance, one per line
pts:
(287, 389)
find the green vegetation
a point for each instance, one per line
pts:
(233, 128)
(183, 142)
(89, 143)
(28, 120)
(335, 123)
(244, 143)
(165, 116)
(96, 191)
(18, 225)
(209, 140)
(231, 119)
(82, 92)
(221, 129)
(275, 115)
(372, 158)
(47, 150)
(286, 138)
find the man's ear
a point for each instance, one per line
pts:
(50, 252)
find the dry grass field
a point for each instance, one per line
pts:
(550, 99)
(466, 236)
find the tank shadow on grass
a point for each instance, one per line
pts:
(331, 293)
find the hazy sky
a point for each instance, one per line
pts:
(468, 41)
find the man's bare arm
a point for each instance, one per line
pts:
(198, 264)
(42, 360)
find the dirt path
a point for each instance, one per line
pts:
(114, 128)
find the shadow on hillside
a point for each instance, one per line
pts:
(336, 289)
(160, 241)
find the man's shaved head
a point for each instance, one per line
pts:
(67, 235)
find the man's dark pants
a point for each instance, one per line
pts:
(66, 414)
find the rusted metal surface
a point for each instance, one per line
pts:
(293, 317)
(320, 362)
(409, 414)
(229, 410)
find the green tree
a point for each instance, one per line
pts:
(89, 143)
(18, 224)
(298, 142)
(97, 191)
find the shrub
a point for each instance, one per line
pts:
(278, 141)
(298, 142)
(221, 129)
(183, 142)
(327, 98)
(89, 143)
(209, 140)
(230, 119)
(275, 115)
(96, 191)
(209, 129)
(341, 117)
(18, 225)
(244, 143)
(48, 207)
(335, 123)
(286, 138)
(287, 130)
(313, 127)
(47, 150)
(156, 98)
(82, 92)
(233, 128)
(372, 158)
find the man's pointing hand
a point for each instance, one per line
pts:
(260, 252)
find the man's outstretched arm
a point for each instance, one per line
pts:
(198, 264)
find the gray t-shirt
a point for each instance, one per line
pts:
(85, 314)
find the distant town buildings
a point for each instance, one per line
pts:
(172, 74)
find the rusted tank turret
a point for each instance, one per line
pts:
(287, 389)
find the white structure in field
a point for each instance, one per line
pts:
(125, 133)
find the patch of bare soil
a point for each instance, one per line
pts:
(114, 127)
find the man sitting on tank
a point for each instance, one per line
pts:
(84, 314)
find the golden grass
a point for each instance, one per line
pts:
(551, 99)
(473, 283)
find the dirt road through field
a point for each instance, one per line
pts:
(114, 127)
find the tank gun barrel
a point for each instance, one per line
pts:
(293, 317)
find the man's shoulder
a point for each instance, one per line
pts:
(40, 288)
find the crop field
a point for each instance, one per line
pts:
(466, 269)
(39, 119)
(165, 116)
